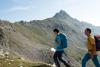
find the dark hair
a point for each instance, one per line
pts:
(88, 29)
(56, 30)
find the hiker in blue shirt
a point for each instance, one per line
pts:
(61, 43)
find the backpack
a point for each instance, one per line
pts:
(63, 40)
(97, 41)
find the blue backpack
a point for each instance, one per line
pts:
(63, 40)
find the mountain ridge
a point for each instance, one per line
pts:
(33, 40)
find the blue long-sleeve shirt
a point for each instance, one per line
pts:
(58, 41)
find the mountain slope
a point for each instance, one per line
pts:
(33, 40)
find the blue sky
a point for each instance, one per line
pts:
(83, 10)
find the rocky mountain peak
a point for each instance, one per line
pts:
(61, 14)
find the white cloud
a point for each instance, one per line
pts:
(20, 8)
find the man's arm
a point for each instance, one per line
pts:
(58, 40)
(93, 50)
